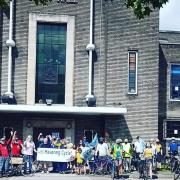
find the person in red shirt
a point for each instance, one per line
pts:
(16, 145)
(4, 155)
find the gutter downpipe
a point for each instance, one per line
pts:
(90, 47)
(10, 44)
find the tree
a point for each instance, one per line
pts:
(141, 8)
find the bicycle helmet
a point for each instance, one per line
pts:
(157, 140)
(173, 138)
(118, 141)
(126, 140)
(148, 144)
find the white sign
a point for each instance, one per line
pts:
(175, 131)
(55, 155)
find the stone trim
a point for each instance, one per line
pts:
(31, 73)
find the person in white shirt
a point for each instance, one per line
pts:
(102, 151)
(28, 149)
(139, 145)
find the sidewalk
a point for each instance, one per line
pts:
(161, 175)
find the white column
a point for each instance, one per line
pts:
(90, 47)
(10, 43)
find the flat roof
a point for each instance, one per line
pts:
(63, 109)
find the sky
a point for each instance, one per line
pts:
(170, 16)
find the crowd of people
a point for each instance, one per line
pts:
(121, 151)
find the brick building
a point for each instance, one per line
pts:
(51, 64)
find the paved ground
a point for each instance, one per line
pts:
(134, 176)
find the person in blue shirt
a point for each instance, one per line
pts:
(45, 144)
(173, 147)
(85, 142)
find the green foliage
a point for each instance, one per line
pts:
(143, 8)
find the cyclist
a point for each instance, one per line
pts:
(173, 147)
(102, 151)
(148, 155)
(117, 151)
(139, 145)
(127, 155)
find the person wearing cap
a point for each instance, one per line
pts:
(117, 151)
(173, 147)
(127, 155)
(158, 153)
(4, 155)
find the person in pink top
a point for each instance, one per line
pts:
(28, 150)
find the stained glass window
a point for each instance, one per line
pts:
(51, 62)
(132, 60)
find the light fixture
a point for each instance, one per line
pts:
(69, 125)
(28, 124)
(49, 102)
(8, 98)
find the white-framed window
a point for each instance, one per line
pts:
(132, 71)
(174, 82)
(47, 34)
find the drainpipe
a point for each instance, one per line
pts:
(10, 44)
(90, 48)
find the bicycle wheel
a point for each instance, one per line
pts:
(177, 172)
(113, 171)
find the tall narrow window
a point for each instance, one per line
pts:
(132, 74)
(175, 82)
(50, 62)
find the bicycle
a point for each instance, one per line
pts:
(127, 165)
(101, 166)
(177, 170)
(16, 166)
(172, 162)
(143, 167)
(113, 169)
